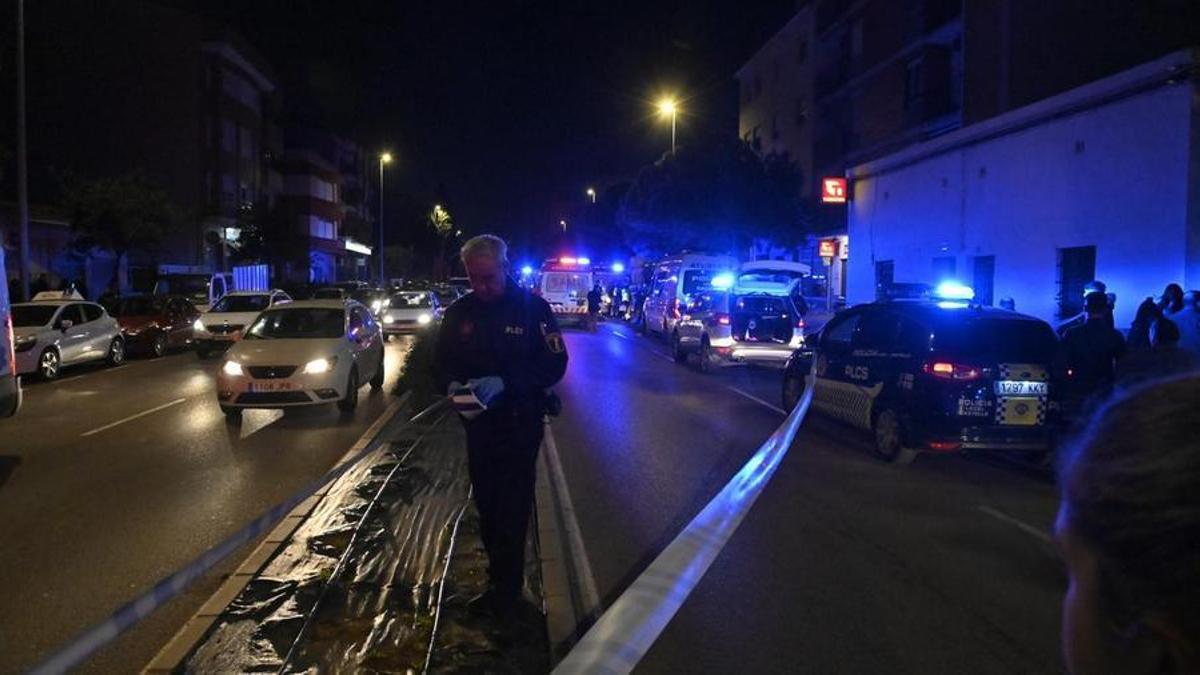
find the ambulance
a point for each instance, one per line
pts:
(565, 283)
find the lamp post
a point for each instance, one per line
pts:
(591, 193)
(668, 107)
(22, 169)
(384, 158)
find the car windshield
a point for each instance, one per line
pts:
(242, 303)
(411, 301)
(695, 281)
(32, 315)
(298, 323)
(136, 307)
(996, 339)
(368, 296)
(565, 282)
(329, 294)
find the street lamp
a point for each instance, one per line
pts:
(563, 223)
(384, 158)
(591, 193)
(668, 107)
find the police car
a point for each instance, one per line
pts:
(932, 376)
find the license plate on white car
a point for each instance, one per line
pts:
(270, 386)
(1021, 388)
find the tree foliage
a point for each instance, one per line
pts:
(119, 213)
(717, 195)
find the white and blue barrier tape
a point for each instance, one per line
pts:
(128, 615)
(622, 635)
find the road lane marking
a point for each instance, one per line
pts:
(155, 409)
(1020, 525)
(585, 581)
(756, 399)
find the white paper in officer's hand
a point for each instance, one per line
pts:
(467, 403)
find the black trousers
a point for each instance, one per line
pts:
(502, 448)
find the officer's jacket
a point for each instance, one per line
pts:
(515, 338)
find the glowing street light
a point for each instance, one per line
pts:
(591, 193)
(667, 107)
(563, 223)
(384, 158)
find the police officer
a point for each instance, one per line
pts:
(1091, 351)
(503, 343)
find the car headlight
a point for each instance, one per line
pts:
(232, 368)
(424, 319)
(389, 319)
(198, 325)
(317, 366)
(24, 344)
(376, 306)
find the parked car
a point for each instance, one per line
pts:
(50, 334)
(10, 384)
(411, 312)
(928, 376)
(152, 324)
(221, 326)
(737, 327)
(675, 280)
(303, 353)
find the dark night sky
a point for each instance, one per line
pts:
(506, 110)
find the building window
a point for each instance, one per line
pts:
(984, 279)
(801, 112)
(944, 267)
(885, 271)
(1076, 267)
(321, 228)
(912, 83)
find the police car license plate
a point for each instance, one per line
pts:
(1021, 388)
(271, 386)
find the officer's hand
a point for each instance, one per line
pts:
(486, 388)
(454, 386)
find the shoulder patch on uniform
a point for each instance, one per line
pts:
(554, 342)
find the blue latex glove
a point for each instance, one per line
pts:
(486, 389)
(455, 385)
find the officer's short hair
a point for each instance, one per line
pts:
(488, 245)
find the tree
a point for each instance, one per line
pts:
(717, 195)
(443, 225)
(119, 213)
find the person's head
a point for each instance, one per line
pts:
(486, 259)
(1172, 297)
(1192, 299)
(1128, 528)
(1009, 304)
(1147, 312)
(1164, 334)
(1095, 304)
(1094, 286)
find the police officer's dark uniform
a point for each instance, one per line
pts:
(1091, 350)
(517, 339)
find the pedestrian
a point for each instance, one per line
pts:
(1172, 299)
(1094, 286)
(1139, 331)
(595, 298)
(1009, 304)
(1163, 359)
(1128, 529)
(503, 343)
(1090, 352)
(1188, 320)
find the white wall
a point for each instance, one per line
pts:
(1023, 195)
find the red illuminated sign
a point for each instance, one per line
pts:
(828, 248)
(833, 190)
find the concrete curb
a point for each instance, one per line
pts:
(171, 657)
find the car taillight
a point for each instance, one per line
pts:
(722, 319)
(800, 323)
(952, 371)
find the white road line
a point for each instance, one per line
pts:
(757, 400)
(1020, 525)
(133, 417)
(589, 597)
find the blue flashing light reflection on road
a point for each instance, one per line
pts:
(953, 290)
(618, 267)
(722, 281)
(526, 271)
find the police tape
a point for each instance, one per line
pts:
(627, 629)
(131, 613)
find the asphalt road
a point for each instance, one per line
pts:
(111, 479)
(844, 564)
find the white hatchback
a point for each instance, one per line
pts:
(303, 353)
(221, 326)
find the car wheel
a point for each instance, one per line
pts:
(160, 345)
(49, 364)
(231, 413)
(377, 379)
(793, 389)
(350, 402)
(889, 438)
(704, 358)
(677, 349)
(116, 352)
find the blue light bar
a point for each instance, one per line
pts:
(585, 261)
(953, 290)
(722, 281)
(618, 267)
(526, 271)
